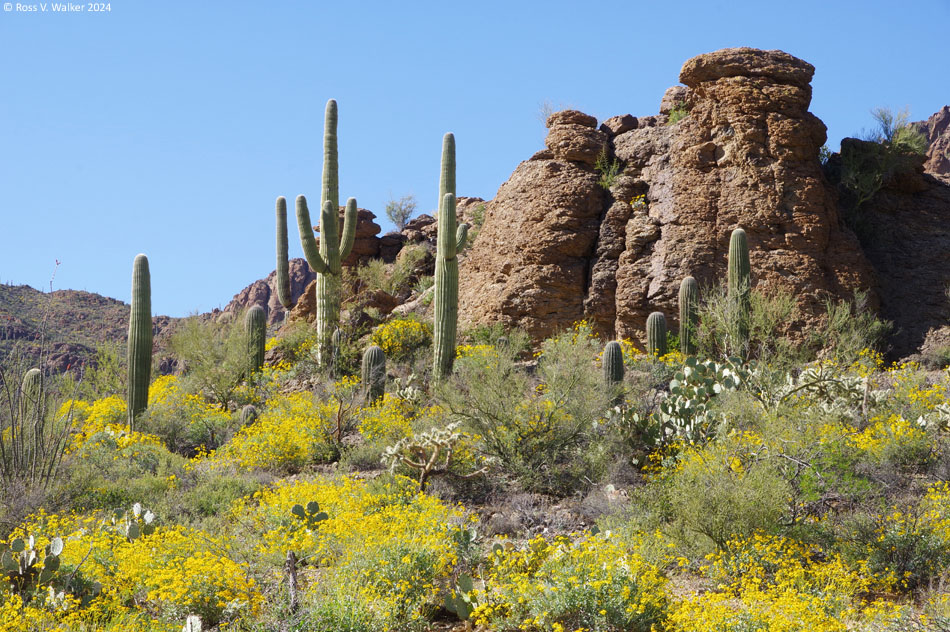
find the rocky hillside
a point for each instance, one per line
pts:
(71, 322)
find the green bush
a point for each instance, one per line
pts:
(539, 428)
(213, 356)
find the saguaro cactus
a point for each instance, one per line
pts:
(656, 334)
(740, 287)
(374, 373)
(334, 248)
(283, 264)
(140, 339)
(612, 361)
(30, 392)
(248, 414)
(689, 315)
(255, 330)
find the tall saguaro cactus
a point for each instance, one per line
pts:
(283, 264)
(740, 287)
(334, 248)
(656, 334)
(140, 339)
(255, 330)
(451, 239)
(446, 288)
(689, 315)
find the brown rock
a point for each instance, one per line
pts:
(389, 246)
(937, 131)
(263, 292)
(573, 137)
(306, 307)
(365, 242)
(556, 247)
(619, 124)
(674, 96)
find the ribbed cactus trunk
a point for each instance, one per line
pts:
(255, 331)
(283, 262)
(248, 415)
(374, 374)
(612, 362)
(334, 248)
(140, 340)
(656, 334)
(740, 288)
(689, 315)
(451, 239)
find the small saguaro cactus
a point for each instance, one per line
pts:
(374, 373)
(689, 315)
(740, 286)
(140, 339)
(283, 263)
(255, 330)
(248, 414)
(612, 361)
(334, 247)
(656, 334)
(30, 393)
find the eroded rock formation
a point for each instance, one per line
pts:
(557, 246)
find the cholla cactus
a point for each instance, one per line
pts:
(429, 452)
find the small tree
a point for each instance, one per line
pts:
(214, 356)
(399, 211)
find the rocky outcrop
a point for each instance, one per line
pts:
(937, 131)
(263, 292)
(557, 246)
(365, 242)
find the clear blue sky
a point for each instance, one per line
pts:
(170, 127)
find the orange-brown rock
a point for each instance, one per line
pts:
(365, 243)
(557, 247)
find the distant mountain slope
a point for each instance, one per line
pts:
(75, 322)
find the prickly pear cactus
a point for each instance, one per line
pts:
(310, 515)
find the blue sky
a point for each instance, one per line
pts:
(170, 128)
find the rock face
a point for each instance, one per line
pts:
(263, 292)
(365, 242)
(557, 246)
(937, 131)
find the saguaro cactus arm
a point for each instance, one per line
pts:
(446, 290)
(307, 240)
(349, 229)
(461, 236)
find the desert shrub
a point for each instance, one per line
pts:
(106, 375)
(373, 275)
(213, 495)
(294, 430)
(607, 168)
(408, 268)
(537, 431)
(729, 488)
(771, 317)
(184, 421)
(401, 338)
(399, 211)
(213, 355)
(850, 329)
(597, 583)
(678, 113)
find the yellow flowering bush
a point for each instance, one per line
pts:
(384, 554)
(388, 420)
(171, 573)
(295, 429)
(894, 440)
(184, 420)
(400, 337)
(595, 582)
(103, 424)
(772, 583)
